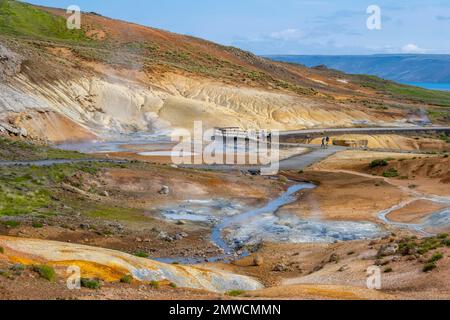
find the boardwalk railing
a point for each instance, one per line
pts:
(237, 133)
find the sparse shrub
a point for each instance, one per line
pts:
(235, 293)
(11, 224)
(45, 272)
(141, 254)
(6, 274)
(92, 284)
(173, 285)
(388, 270)
(443, 236)
(283, 179)
(154, 284)
(378, 163)
(2, 251)
(429, 267)
(128, 279)
(391, 173)
(18, 269)
(37, 225)
(436, 257)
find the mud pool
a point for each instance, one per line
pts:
(234, 228)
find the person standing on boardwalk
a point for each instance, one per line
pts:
(323, 143)
(328, 141)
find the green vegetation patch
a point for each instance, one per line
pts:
(436, 257)
(141, 254)
(128, 279)
(154, 284)
(235, 293)
(396, 90)
(391, 173)
(93, 284)
(17, 150)
(388, 270)
(429, 267)
(23, 20)
(378, 163)
(33, 189)
(45, 272)
(413, 246)
(11, 223)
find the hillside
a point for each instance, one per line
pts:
(118, 77)
(397, 67)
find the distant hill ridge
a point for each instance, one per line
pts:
(113, 77)
(396, 67)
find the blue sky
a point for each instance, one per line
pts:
(291, 26)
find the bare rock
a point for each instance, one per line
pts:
(344, 268)
(165, 236)
(258, 260)
(165, 190)
(387, 250)
(334, 258)
(280, 267)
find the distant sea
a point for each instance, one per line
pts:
(430, 71)
(430, 85)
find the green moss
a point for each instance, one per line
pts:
(45, 272)
(154, 284)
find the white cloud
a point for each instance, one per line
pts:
(286, 35)
(413, 48)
